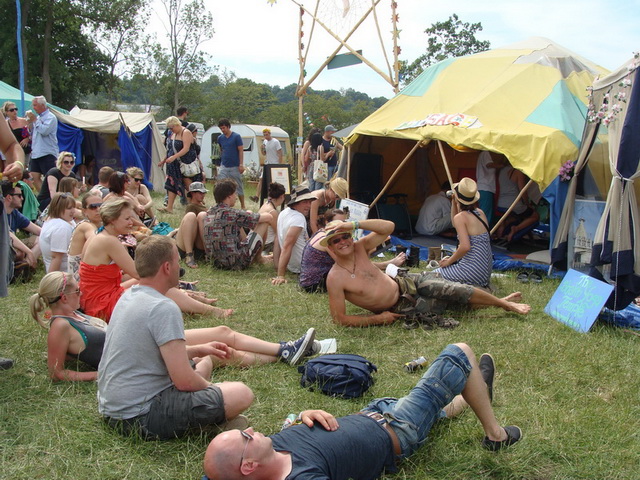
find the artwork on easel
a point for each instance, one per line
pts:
(586, 216)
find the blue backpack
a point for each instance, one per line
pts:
(345, 375)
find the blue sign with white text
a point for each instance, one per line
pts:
(578, 300)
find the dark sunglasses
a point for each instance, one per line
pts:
(68, 162)
(16, 195)
(94, 206)
(247, 437)
(137, 179)
(12, 110)
(337, 239)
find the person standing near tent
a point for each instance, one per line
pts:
(19, 127)
(486, 178)
(232, 157)
(179, 144)
(44, 142)
(331, 147)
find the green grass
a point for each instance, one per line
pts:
(574, 396)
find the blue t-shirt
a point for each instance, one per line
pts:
(360, 450)
(230, 156)
(17, 221)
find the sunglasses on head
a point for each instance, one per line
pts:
(339, 238)
(94, 206)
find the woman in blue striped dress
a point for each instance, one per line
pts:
(472, 262)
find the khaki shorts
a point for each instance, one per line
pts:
(428, 292)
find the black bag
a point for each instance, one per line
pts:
(345, 375)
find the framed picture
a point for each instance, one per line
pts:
(280, 174)
(357, 211)
(586, 216)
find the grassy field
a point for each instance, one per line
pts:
(576, 397)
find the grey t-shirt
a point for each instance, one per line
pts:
(132, 370)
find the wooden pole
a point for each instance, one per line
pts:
(504, 217)
(395, 33)
(444, 161)
(348, 167)
(395, 174)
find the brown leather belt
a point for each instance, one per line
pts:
(379, 418)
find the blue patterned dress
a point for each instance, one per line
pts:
(475, 267)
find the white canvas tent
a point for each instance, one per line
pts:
(134, 135)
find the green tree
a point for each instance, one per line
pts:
(188, 26)
(452, 38)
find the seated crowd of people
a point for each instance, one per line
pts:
(153, 376)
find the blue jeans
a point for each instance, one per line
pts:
(413, 416)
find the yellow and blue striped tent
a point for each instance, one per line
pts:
(527, 101)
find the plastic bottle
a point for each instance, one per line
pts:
(290, 420)
(414, 365)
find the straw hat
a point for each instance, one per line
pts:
(332, 231)
(466, 191)
(339, 186)
(300, 194)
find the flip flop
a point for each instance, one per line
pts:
(523, 277)
(535, 277)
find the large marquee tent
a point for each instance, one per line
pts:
(527, 101)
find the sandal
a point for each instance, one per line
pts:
(410, 324)
(523, 277)
(190, 260)
(513, 435)
(447, 322)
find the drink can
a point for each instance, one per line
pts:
(415, 365)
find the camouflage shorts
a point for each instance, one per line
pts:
(428, 292)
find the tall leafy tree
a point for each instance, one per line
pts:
(188, 26)
(451, 38)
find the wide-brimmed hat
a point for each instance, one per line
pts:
(332, 231)
(466, 191)
(197, 187)
(339, 186)
(300, 194)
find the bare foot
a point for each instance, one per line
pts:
(202, 297)
(521, 308)
(265, 259)
(399, 259)
(514, 297)
(223, 313)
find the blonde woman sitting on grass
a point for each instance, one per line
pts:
(105, 259)
(75, 336)
(138, 190)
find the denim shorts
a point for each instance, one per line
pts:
(413, 416)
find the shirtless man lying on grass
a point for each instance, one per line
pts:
(354, 278)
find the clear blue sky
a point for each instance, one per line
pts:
(259, 41)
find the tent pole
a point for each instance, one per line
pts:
(395, 174)
(444, 161)
(506, 214)
(348, 167)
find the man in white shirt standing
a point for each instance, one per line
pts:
(272, 151)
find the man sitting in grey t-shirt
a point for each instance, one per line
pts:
(146, 381)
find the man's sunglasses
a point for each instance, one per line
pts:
(17, 195)
(247, 437)
(337, 239)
